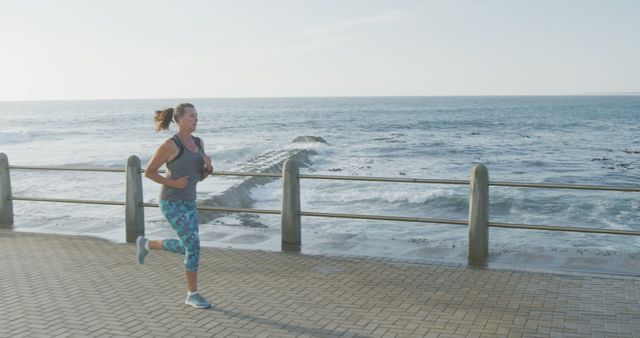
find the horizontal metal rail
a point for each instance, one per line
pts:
(566, 186)
(466, 182)
(236, 173)
(122, 170)
(351, 216)
(98, 169)
(362, 178)
(564, 228)
(64, 200)
(383, 179)
(383, 218)
(232, 173)
(223, 209)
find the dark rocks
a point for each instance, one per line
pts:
(308, 139)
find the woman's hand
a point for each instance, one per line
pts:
(208, 167)
(180, 183)
(207, 163)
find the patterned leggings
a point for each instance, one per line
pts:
(183, 217)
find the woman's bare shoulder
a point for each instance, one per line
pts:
(167, 150)
(169, 144)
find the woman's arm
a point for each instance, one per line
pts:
(165, 152)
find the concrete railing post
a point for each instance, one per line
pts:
(478, 215)
(134, 212)
(291, 238)
(6, 206)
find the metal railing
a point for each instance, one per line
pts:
(478, 218)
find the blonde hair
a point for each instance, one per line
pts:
(163, 117)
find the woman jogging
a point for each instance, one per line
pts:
(187, 164)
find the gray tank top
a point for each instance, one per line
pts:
(188, 164)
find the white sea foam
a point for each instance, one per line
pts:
(268, 192)
(11, 137)
(374, 195)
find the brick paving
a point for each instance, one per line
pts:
(65, 286)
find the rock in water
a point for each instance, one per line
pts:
(309, 139)
(239, 195)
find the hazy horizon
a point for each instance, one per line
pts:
(320, 97)
(75, 50)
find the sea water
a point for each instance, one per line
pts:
(590, 140)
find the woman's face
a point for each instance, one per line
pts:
(189, 120)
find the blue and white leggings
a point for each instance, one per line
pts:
(183, 217)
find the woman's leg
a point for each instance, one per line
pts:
(183, 217)
(156, 244)
(191, 243)
(176, 246)
(192, 280)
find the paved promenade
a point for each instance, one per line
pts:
(62, 286)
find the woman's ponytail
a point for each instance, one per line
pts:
(163, 118)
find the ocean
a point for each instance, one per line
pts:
(551, 139)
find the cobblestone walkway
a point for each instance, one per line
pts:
(63, 286)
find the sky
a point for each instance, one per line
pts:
(116, 49)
